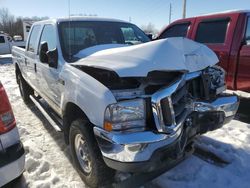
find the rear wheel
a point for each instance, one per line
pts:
(87, 156)
(25, 89)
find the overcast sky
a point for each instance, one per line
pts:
(141, 12)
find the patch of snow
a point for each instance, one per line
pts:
(232, 143)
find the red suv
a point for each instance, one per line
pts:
(12, 158)
(228, 35)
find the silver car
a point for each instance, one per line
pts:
(12, 157)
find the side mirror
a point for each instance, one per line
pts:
(150, 36)
(42, 53)
(49, 57)
(52, 58)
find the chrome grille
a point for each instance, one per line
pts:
(169, 104)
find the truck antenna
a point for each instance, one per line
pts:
(69, 29)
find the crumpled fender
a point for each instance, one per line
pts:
(87, 93)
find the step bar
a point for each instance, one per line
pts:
(53, 123)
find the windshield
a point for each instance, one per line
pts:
(78, 35)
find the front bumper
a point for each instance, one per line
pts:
(12, 161)
(145, 151)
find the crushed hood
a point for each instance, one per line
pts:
(172, 54)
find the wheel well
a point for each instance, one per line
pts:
(71, 113)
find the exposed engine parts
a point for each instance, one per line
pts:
(217, 77)
(208, 84)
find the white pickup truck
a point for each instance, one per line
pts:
(6, 44)
(123, 102)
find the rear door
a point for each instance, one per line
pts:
(217, 31)
(31, 55)
(4, 45)
(243, 76)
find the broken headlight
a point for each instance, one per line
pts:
(216, 77)
(125, 115)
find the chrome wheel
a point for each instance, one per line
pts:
(82, 153)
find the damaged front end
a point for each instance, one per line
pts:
(156, 119)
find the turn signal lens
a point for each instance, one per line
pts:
(107, 126)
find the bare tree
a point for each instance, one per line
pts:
(6, 21)
(14, 26)
(149, 28)
(18, 27)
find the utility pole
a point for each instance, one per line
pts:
(184, 8)
(170, 13)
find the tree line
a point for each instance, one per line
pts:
(14, 25)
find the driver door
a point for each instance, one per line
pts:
(243, 76)
(48, 76)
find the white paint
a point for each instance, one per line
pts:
(10, 138)
(86, 92)
(94, 49)
(170, 54)
(11, 171)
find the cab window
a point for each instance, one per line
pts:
(49, 36)
(247, 35)
(33, 39)
(212, 32)
(179, 30)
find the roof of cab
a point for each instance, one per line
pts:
(79, 18)
(226, 12)
(209, 14)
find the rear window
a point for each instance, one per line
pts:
(247, 35)
(212, 31)
(2, 39)
(179, 30)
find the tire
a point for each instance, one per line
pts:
(24, 88)
(92, 168)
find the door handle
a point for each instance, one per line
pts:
(35, 67)
(25, 61)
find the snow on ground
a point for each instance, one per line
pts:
(48, 162)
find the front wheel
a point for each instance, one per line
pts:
(87, 156)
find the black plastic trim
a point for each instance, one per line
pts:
(11, 154)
